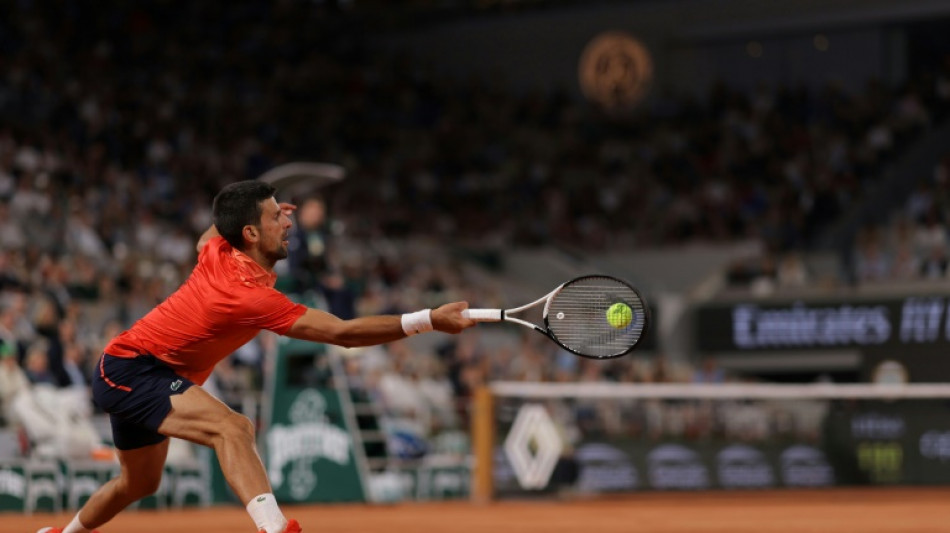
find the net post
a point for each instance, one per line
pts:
(483, 438)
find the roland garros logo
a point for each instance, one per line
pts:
(615, 71)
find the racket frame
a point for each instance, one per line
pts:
(499, 315)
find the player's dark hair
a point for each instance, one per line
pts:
(238, 205)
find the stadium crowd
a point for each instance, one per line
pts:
(118, 125)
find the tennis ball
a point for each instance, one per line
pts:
(619, 315)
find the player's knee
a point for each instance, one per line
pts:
(149, 485)
(140, 485)
(240, 427)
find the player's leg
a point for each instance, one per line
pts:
(148, 401)
(139, 476)
(201, 418)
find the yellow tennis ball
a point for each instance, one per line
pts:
(619, 315)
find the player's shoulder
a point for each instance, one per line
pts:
(216, 265)
(252, 298)
(217, 251)
(216, 244)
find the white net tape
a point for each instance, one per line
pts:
(520, 389)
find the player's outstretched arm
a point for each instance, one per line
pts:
(320, 326)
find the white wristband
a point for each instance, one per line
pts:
(418, 322)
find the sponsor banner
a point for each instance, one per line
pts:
(924, 443)
(866, 442)
(533, 446)
(805, 466)
(935, 445)
(309, 455)
(306, 448)
(675, 466)
(743, 467)
(823, 325)
(624, 466)
(890, 442)
(605, 468)
(13, 485)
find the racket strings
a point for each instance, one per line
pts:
(577, 316)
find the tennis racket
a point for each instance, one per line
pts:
(600, 317)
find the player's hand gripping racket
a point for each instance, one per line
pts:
(592, 316)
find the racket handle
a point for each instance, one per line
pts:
(483, 315)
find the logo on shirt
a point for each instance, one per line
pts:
(176, 385)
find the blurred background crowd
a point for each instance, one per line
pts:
(114, 139)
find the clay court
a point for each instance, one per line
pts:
(904, 510)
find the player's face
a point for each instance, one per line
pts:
(275, 230)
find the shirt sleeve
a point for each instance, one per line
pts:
(269, 309)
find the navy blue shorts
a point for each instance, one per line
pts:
(136, 392)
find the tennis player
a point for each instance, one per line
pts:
(146, 374)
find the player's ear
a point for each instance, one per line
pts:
(251, 234)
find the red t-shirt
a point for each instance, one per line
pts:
(227, 300)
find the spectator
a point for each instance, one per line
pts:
(907, 266)
(74, 360)
(399, 389)
(12, 380)
(57, 422)
(311, 264)
(36, 364)
(709, 372)
(934, 266)
(791, 272)
(436, 389)
(872, 263)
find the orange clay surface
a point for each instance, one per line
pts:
(902, 510)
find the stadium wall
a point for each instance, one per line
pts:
(692, 42)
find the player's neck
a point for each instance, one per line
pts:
(259, 258)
